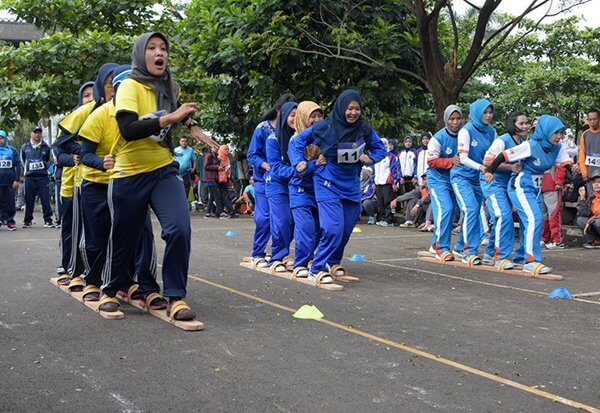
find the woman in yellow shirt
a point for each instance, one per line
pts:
(145, 174)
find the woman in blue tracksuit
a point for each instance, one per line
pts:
(10, 169)
(343, 138)
(257, 157)
(441, 151)
(302, 194)
(277, 180)
(474, 139)
(502, 233)
(537, 155)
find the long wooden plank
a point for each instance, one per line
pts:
(288, 276)
(343, 278)
(93, 305)
(192, 325)
(491, 268)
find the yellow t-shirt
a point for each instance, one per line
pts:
(143, 155)
(71, 124)
(101, 127)
(66, 183)
(74, 120)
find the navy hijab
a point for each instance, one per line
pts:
(80, 93)
(103, 73)
(344, 131)
(283, 131)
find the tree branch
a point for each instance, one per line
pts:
(474, 51)
(362, 59)
(439, 4)
(489, 54)
(454, 27)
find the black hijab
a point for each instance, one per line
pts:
(283, 131)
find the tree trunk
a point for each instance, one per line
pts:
(442, 97)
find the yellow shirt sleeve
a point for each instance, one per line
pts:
(127, 97)
(94, 125)
(73, 121)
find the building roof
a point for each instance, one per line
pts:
(14, 32)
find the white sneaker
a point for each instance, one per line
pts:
(407, 224)
(542, 244)
(555, 246)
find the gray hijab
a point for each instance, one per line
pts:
(166, 98)
(448, 112)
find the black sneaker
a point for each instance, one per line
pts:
(26, 224)
(12, 226)
(49, 224)
(591, 245)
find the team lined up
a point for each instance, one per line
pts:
(117, 157)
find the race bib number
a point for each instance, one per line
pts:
(36, 165)
(162, 134)
(350, 152)
(537, 180)
(592, 160)
(6, 163)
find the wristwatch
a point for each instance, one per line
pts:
(192, 124)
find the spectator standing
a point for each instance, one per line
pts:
(386, 183)
(186, 158)
(209, 181)
(589, 146)
(422, 157)
(569, 143)
(552, 186)
(202, 189)
(35, 158)
(10, 167)
(407, 160)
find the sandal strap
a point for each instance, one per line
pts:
(106, 299)
(297, 270)
(445, 255)
(256, 261)
(176, 307)
(503, 263)
(322, 274)
(132, 289)
(151, 297)
(286, 260)
(63, 276)
(91, 289)
(337, 268)
(76, 282)
(471, 260)
(537, 268)
(274, 266)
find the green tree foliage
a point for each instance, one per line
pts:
(240, 57)
(553, 70)
(41, 78)
(80, 16)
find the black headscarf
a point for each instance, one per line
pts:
(166, 98)
(336, 121)
(283, 131)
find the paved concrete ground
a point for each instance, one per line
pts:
(410, 337)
